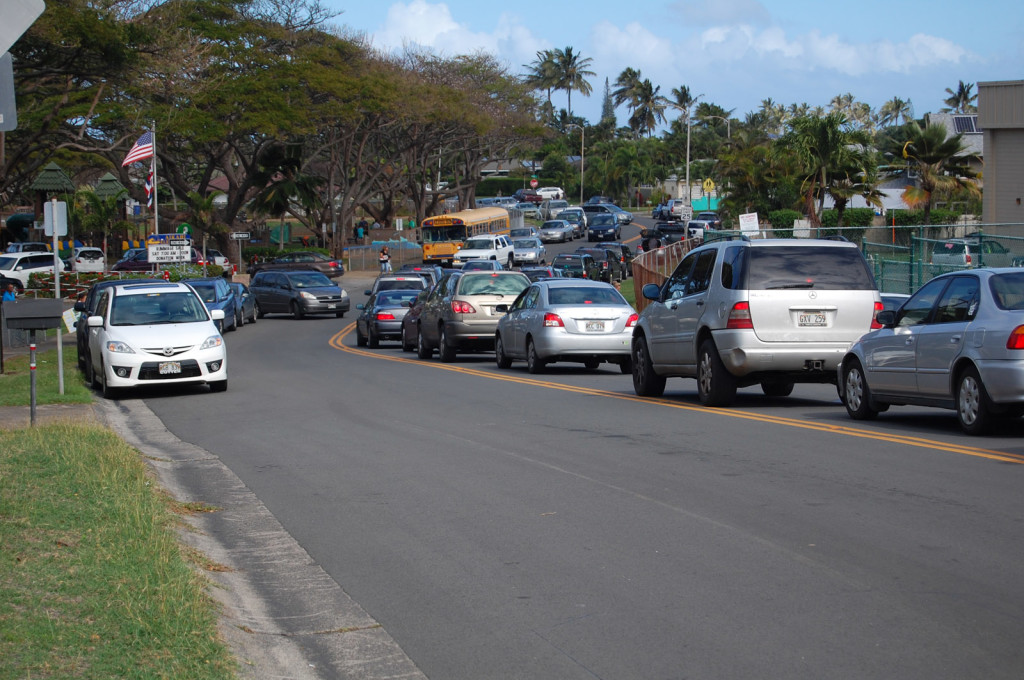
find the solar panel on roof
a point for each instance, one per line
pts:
(962, 124)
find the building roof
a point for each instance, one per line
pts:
(53, 179)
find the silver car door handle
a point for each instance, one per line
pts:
(955, 339)
(910, 340)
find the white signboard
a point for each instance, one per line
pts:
(685, 213)
(748, 223)
(55, 218)
(169, 252)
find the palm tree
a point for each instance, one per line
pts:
(648, 108)
(572, 71)
(543, 73)
(626, 85)
(280, 175)
(961, 101)
(894, 110)
(941, 164)
(201, 213)
(102, 212)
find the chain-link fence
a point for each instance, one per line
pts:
(365, 258)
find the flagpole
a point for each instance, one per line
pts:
(156, 196)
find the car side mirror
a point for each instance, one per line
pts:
(367, 292)
(651, 291)
(360, 306)
(886, 317)
(80, 307)
(94, 321)
(501, 308)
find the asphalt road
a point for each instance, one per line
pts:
(503, 525)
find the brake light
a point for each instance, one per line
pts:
(460, 307)
(1016, 339)
(739, 316)
(385, 316)
(631, 321)
(553, 321)
(968, 257)
(874, 317)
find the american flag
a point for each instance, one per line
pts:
(149, 187)
(142, 150)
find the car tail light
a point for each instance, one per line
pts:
(1016, 339)
(874, 318)
(460, 307)
(604, 265)
(968, 257)
(385, 316)
(739, 316)
(631, 321)
(553, 321)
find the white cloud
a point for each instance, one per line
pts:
(722, 12)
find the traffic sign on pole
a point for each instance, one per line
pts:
(240, 235)
(533, 183)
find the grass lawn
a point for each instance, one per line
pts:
(16, 379)
(629, 292)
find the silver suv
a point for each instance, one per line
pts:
(739, 313)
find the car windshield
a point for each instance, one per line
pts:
(8, 262)
(495, 284)
(818, 267)
(590, 295)
(556, 224)
(479, 244)
(516, 233)
(526, 243)
(156, 308)
(1008, 290)
(310, 280)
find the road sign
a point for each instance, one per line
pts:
(708, 185)
(686, 213)
(55, 217)
(8, 109)
(748, 223)
(533, 183)
(18, 16)
(240, 235)
(169, 248)
(183, 228)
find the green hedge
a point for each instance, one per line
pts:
(912, 218)
(71, 284)
(506, 186)
(782, 222)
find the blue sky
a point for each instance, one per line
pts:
(734, 52)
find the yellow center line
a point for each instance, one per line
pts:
(907, 440)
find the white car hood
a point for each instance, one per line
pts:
(156, 337)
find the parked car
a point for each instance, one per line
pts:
(550, 208)
(625, 255)
(662, 234)
(523, 232)
(565, 320)
(459, 314)
(577, 266)
(773, 312)
(551, 192)
(88, 259)
(18, 285)
(538, 273)
(604, 226)
(398, 281)
(677, 208)
(380, 318)
(557, 231)
(710, 218)
(28, 247)
(965, 253)
(484, 247)
(623, 216)
(87, 308)
(577, 218)
(482, 266)
(217, 258)
(302, 260)
(146, 334)
(529, 195)
(609, 262)
(526, 251)
(531, 210)
(697, 230)
(217, 294)
(593, 200)
(298, 293)
(245, 302)
(23, 264)
(139, 262)
(957, 343)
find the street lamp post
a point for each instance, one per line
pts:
(689, 193)
(728, 125)
(583, 137)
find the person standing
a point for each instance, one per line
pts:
(10, 293)
(385, 260)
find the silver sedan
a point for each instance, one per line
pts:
(957, 343)
(566, 320)
(529, 251)
(557, 231)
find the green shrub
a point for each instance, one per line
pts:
(494, 186)
(782, 222)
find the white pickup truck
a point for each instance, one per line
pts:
(486, 247)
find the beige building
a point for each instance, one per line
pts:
(1001, 118)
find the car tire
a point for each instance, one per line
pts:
(90, 372)
(445, 350)
(856, 393)
(218, 386)
(511, 262)
(500, 357)
(777, 388)
(372, 341)
(360, 338)
(338, 315)
(406, 346)
(591, 364)
(625, 366)
(646, 383)
(239, 318)
(252, 319)
(259, 310)
(534, 364)
(423, 350)
(297, 312)
(973, 405)
(715, 385)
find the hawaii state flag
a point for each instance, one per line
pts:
(142, 150)
(149, 185)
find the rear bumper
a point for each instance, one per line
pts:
(744, 354)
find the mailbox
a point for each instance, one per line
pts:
(33, 315)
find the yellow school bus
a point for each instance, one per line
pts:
(443, 235)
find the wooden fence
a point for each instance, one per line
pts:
(654, 266)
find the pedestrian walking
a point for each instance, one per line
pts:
(385, 260)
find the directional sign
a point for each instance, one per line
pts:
(18, 16)
(240, 235)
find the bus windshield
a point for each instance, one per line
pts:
(442, 234)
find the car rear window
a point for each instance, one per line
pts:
(410, 283)
(1008, 291)
(818, 267)
(590, 295)
(493, 284)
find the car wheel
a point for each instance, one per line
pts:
(715, 385)
(625, 366)
(338, 315)
(445, 350)
(646, 382)
(973, 406)
(777, 388)
(372, 340)
(239, 317)
(219, 386)
(591, 364)
(511, 262)
(857, 394)
(90, 372)
(360, 338)
(297, 312)
(252, 319)
(406, 346)
(534, 364)
(423, 350)
(499, 353)
(259, 310)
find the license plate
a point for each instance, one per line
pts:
(812, 319)
(331, 305)
(594, 326)
(170, 367)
